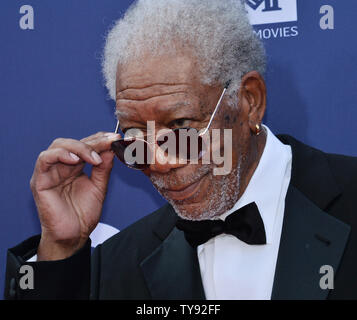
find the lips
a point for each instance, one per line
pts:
(184, 192)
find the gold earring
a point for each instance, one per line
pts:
(258, 129)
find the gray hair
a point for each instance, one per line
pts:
(217, 32)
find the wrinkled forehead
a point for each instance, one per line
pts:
(162, 70)
(161, 88)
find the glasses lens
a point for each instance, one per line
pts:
(182, 143)
(134, 153)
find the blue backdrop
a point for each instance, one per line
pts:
(51, 86)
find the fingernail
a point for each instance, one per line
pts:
(74, 156)
(96, 157)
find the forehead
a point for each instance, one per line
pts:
(163, 70)
(160, 88)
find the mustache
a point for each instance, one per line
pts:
(177, 179)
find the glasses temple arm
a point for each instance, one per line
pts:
(216, 109)
(117, 127)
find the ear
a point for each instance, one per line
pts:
(253, 98)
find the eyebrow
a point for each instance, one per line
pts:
(175, 106)
(118, 113)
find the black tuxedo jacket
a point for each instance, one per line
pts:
(152, 260)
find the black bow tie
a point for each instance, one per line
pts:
(245, 223)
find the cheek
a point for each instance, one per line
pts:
(241, 142)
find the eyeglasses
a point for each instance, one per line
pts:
(136, 153)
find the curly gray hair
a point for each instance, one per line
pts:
(218, 33)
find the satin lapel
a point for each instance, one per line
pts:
(310, 239)
(172, 270)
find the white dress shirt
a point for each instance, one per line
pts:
(232, 269)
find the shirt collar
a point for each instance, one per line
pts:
(265, 186)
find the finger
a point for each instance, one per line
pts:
(81, 149)
(51, 157)
(102, 143)
(100, 174)
(99, 135)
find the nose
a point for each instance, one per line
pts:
(163, 162)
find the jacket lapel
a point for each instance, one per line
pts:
(172, 270)
(310, 239)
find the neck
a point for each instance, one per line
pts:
(256, 149)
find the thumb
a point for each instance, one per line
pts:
(101, 174)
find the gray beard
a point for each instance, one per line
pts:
(226, 192)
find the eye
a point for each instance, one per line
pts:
(180, 123)
(133, 132)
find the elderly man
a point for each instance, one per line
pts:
(276, 225)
